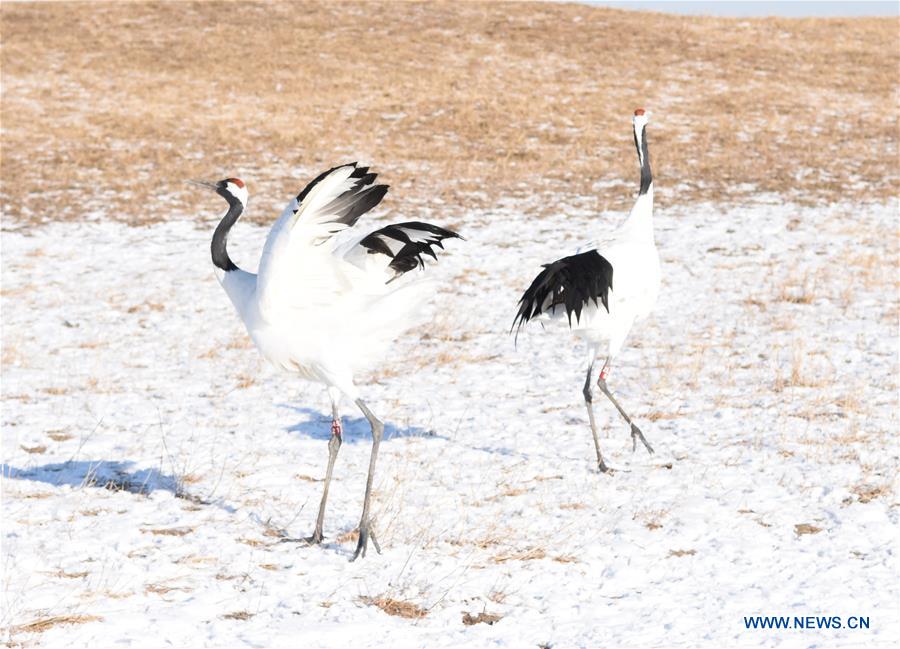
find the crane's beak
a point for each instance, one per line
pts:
(203, 183)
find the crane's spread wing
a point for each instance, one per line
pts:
(297, 267)
(570, 283)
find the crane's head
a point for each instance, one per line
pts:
(641, 117)
(231, 189)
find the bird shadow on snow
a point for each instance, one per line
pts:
(113, 475)
(356, 429)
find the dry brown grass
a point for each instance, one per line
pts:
(34, 449)
(530, 554)
(482, 618)
(482, 542)
(652, 519)
(238, 615)
(59, 435)
(39, 626)
(868, 492)
(806, 528)
(351, 536)
(172, 531)
(245, 381)
(396, 607)
(110, 105)
(162, 589)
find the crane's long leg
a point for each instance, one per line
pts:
(588, 399)
(364, 531)
(334, 445)
(635, 431)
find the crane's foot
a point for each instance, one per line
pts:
(636, 435)
(364, 534)
(601, 465)
(316, 538)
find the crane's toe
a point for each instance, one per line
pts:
(636, 435)
(364, 534)
(305, 540)
(603, 468)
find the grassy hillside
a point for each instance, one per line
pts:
(110, 106)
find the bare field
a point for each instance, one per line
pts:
(107, 107)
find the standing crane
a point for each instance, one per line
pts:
(608, 287)
(329, 297)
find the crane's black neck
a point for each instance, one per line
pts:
(644, 158)
(219, 254)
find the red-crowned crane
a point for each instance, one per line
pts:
(329, 297)
(608, 287)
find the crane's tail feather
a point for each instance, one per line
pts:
(571, 283)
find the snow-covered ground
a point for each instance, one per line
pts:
(151, 460)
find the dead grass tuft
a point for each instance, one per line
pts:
(70, 575)
(656, 415)
(806, 528)
(531, 554)
(146, 306)
(682, 553)
(798, 290)
(161, 589)
(652, 519)
(34, 450)
(482, 618)
(245, 381)
(170, 531)
(483, 542)
(253, 543)
(396, 607)
(307, 478)
(866, 493)
(497, 596)
(238, 615)
(347, 537)
(39, 626)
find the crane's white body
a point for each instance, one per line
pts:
(631, 250)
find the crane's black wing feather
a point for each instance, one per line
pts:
(405, 243)
(353, 203)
